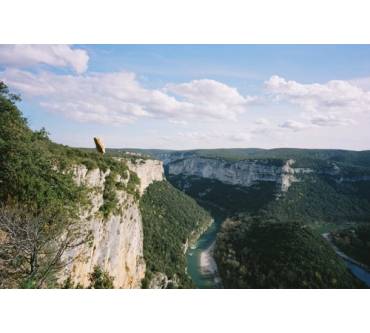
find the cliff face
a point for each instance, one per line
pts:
(148, 171)
(116, 241)
(244, 173)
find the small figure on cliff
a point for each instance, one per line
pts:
(99, 145)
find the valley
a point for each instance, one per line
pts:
(319, 189)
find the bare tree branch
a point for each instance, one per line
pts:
(32, 246)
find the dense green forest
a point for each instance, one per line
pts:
(229, 198)
(252, 253)
(318, 200)
(170, 218)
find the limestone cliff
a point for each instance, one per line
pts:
(116, 241)
(244, 172)
(148, 171)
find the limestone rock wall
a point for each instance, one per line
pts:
(116, 243)
(148, 171)
(244, 173)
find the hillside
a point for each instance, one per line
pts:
(320, 187)
(257, 254)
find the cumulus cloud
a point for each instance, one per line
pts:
(328, 102)
(214, 98)
(120, 98)
(332, 95)
(55, 55)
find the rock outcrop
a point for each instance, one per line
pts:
(116, 241)
(148, 171)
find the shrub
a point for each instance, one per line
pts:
(100, 279)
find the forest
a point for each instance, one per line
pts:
(254, 253)
(171, 219)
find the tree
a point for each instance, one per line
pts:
(32, 246)
(4, 91)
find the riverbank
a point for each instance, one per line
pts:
(208, 265)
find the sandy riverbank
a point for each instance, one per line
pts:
(208, 264)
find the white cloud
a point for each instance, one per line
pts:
(214, 98)
(120, 98)
(55, 55)
(334, 96)
(293, 125)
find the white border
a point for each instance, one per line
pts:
(185, 21)
(303, 311)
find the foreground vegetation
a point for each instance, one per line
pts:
(170, 219)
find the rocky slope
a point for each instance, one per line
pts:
(116, 241)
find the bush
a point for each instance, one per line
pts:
(100, 279)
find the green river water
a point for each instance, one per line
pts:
(202, 279)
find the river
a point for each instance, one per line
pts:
(201, 266)
(357, 269)
(359, 272)
(203, 269)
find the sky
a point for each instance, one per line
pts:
(194, 96)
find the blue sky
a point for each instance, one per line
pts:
(195, 96)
